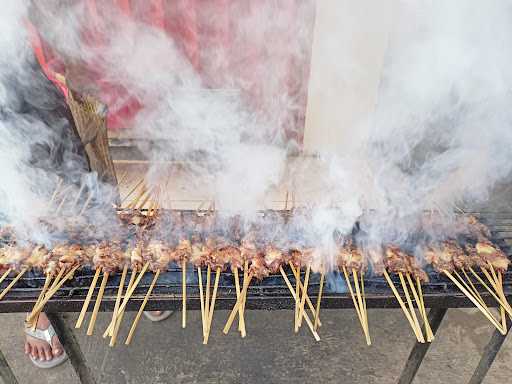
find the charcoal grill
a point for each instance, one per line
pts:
(270, 294)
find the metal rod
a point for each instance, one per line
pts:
(72, 348)
(435, 316)
(489, 354)
(6, 372)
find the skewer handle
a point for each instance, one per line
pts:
(141, 309)
(85, 306)
(96, 309)
(184, 293)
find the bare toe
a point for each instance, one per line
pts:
(56, 347)
(47, 353)
(40, 353)
(27, 348)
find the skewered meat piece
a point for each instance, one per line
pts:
(459, 258)
(258, 267)
(316, 260)
(157, 254)
(109, 256)
(474, 257)
(16, 254)
(136, 217)
(397, 261)
(223, 255)
(440, 258)
(248, 248)
(38, 256)
(183, 251)
(134, 253)
(492, 255)
(198, 253)
(376, 258)
(67, 255)
(350, 257)
(295, 257)
(274, 258)
(235, 256)
(417, 271)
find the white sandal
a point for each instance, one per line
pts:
(46, 335)
(164, 315)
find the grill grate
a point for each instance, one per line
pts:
(268, 292)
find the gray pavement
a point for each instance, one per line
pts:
(271, 353)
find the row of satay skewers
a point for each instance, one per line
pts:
(250, 258)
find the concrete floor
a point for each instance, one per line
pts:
(271, 353)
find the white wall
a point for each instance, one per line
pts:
(349, 47)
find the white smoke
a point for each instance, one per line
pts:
(439, 136)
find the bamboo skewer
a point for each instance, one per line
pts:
(241, 320)
(201, 294)
(237, 290)
(85, 306)
(472, 289)
(184, 293)
(306, 317)
(475, 302)
(94, 315)
(212, 308)
(46, 285)
(53, 289)
(419, 336)
(129, 292)
(55, 192)
(362, 305)
(141, 309)
(356, 305)
(359, 299)
(79, 193)
(89, 198)
(11, 284)
(207, 299)
(296, 274)
(497, 283)
(137, 185)
(118, 302)
(418, 296)
(502, 303)
(303, 298)
(239, 302)
(318, 301)
(244, 299)
(120, 314)
(6, 273)
(476, 295)
(502, 308)
(308, 300)
(411, 307)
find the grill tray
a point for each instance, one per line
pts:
(271, 293)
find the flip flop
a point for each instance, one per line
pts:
(164, 315)
(46, 335)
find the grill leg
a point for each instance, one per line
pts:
(72, 348)
(490, 351)
(435, 316)
(6, 372)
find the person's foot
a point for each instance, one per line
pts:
(40, 349)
